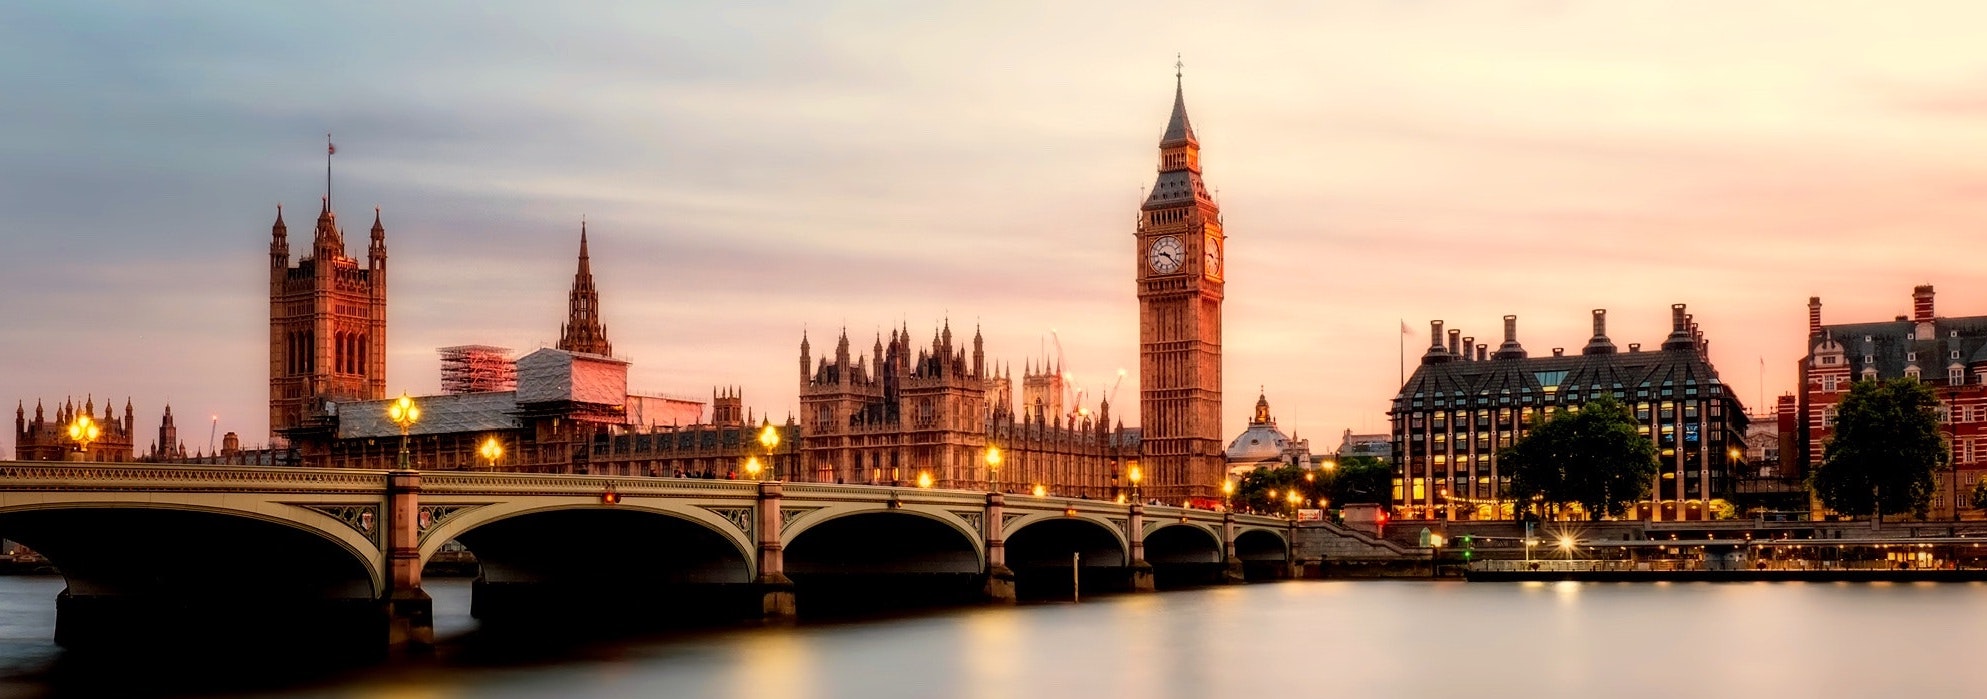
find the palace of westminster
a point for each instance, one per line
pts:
(940, 413)
(935, 413)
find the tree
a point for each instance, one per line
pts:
(1593, 456)
(1359, 479)
(1253, 492)
(1886, 452)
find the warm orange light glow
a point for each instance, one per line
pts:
(1135, 474)
(1041, 490)
(924, 479)
(403, 412)
(491, 450)
(753, 467)
(769, 437)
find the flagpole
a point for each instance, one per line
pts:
(328, 150)
(1402, 356)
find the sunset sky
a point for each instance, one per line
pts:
(750, 173)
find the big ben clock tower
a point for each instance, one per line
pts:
(1179, 254)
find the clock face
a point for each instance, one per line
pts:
(1211, 265)
(1166, 255)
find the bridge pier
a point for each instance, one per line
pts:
(1142, 579)
(410, 613)
(1000, 578)
(774, 589)
(1231, 564)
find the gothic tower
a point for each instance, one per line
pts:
(1179, 261)
(583, 331)
(327, 323)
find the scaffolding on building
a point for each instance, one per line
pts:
(477, 369)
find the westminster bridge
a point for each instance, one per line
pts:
(154, 553)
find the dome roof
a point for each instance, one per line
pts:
(1261, 442)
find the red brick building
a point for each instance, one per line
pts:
(1950, 354)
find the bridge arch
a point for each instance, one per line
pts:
(110, 544)
(1175, 544)
(652, 542)
(881, 540)
(1261, 544)
(1048, 539)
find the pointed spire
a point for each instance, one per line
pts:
(583, 331)
(379, 231)
(1179, 129)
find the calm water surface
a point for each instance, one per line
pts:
(1299, 639)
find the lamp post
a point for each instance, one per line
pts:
(491, 451)
(1295, 500)
(405, 413)
(769, 437)
(83, 431)
(1228, 493)
(1134, 474)
(924, 479)
(753, 467)
(993, 467)
(1041, 491)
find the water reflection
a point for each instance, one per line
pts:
(1391, 638)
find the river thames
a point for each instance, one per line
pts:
(1296, 639)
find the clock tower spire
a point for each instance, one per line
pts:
(1179, 248)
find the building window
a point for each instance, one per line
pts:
(1910, 372)
(1869, 374)
(1910, 356)
(1956, 376)
(1827, 385)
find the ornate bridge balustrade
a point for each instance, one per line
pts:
(248, 552)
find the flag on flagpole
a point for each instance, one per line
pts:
(330, 148)
(1404, 329)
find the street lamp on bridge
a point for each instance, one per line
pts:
(491, 452)
(83, 431)
(924, 479)
(1134, 474)
(405, 413)
(993, 467)
(769, 437)
(1228, 493)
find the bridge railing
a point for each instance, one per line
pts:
(81, 476)
(554, 484)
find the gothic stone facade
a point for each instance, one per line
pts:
(42, 439)
(1178, 248)
(903, 412)
(327, 324)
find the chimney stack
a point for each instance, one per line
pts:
(1482, 352)
(1814, 316)
(1468, 353)
(1510, 349)
(1599, 343)
(1921, 303)
(1679, 338)
(1434, 334)
(1455, 337)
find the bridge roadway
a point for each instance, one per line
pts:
(240, 554)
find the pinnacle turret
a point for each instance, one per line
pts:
(583, 331)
